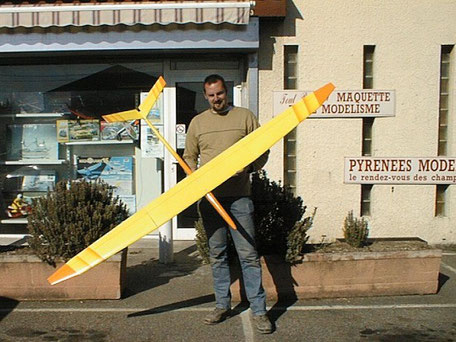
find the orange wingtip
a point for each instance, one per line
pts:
(323, 93)
(63, 273)
(162, 81)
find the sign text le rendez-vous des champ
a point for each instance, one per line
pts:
(371, 170)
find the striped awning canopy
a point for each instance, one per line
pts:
(49, 13)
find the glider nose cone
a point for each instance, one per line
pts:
(323, 93)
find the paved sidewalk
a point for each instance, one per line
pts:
(169, 302)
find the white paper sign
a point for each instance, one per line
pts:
(151, 147)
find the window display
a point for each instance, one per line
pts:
(51, 126)
(30, 179)
(115, 171)
(119, 130)
(32, 141)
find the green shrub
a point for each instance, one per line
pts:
(298, 237)
(71, 217)
(279, 227)
(355, 230)
(201, 241)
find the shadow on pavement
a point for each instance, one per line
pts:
(151, 273)
(443, 278)
(6, 306)
(284, 283)
(175, 306)
(284, 286)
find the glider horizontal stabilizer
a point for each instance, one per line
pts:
(144, 107)
(193, 187)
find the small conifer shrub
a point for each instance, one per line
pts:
(202, 245)
(71, 217)
(355, 230)
(298, 237)
(279, 227)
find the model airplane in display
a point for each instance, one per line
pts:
(92, 172)
(193, 187)
(142, 113)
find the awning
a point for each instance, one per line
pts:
(129, 13)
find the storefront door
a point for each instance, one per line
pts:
(187, 90)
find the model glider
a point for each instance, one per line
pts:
(144, 109)
(193, 187)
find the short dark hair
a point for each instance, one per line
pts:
(214, 78)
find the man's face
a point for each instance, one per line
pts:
(216, 95)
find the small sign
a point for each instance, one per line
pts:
(180, 129)
(343, 103)
(180, 136)
(155, 115)
(151, 147)
(371, 170)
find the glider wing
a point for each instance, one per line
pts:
(192, 188)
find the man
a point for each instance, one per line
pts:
(210, 133)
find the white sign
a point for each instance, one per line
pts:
(155, 115)
(180, 136)
(151, 147)
(180, 129)
(343, 103)
(371, 170)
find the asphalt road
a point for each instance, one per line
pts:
(168, 303)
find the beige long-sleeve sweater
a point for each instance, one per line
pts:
(210, 133)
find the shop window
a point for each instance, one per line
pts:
(441, 200)
(51, 127)
(366, 192)
(290, 82)
(444, 99)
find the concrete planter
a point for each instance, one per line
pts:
(24, 277)
(350, 274)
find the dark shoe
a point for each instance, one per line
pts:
(217, 316)
(263, 324)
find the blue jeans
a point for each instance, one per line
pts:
(241, 210)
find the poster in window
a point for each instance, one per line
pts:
(151, 147)
(115, 171)
(155, 115)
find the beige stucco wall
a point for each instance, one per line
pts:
(407, 36)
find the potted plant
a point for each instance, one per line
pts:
(353, 266)
(61, 224)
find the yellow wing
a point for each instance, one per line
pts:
(193, 187)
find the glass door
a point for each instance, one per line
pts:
(187, 101)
